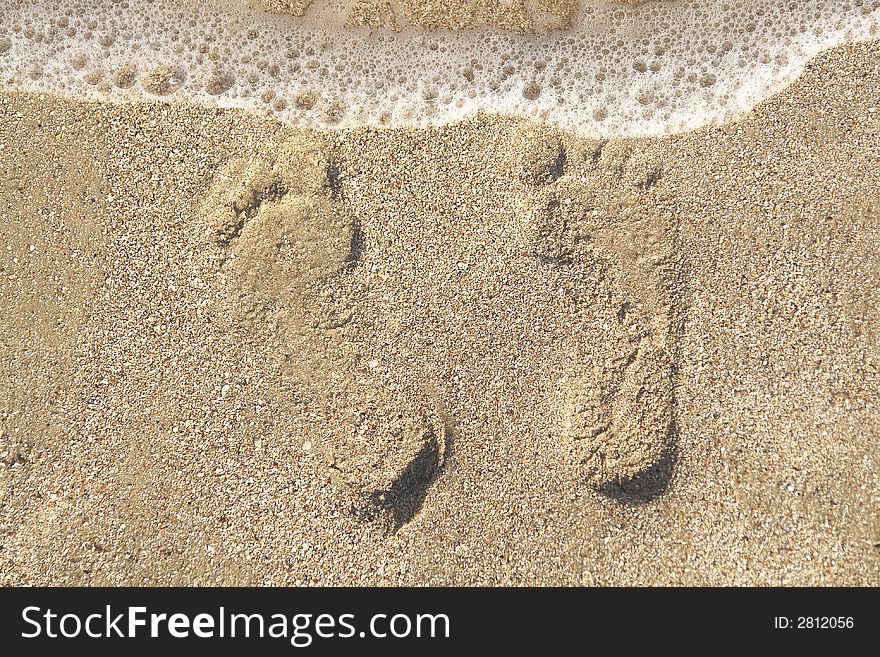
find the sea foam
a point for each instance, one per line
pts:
(613, 69)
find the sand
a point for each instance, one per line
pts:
(483, 353)
(527, 16)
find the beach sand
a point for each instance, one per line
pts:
(484, 353)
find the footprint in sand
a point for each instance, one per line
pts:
(286, 246)
(287, 250)
(594, 208)
(387, 453)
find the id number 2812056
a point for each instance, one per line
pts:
(814, 623)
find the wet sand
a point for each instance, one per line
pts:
(484, 353)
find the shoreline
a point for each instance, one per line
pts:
(622, 78)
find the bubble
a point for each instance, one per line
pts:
(332, 111)
(125, 76)
(305, 99)
(79, 61)
(94, 77)
(531, 90)
(219, 82)
(163, 80)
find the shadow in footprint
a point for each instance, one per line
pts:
(334, 179)
(406, 495)
(357, 245)
(648, 484)
(557, 168)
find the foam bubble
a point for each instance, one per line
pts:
(609, 69)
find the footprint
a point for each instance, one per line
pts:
(622, 425)
(284, 243)
(387, 453)
(593, 209)
(536, 155)
(286, 247)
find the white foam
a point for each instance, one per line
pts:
(621, 70)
